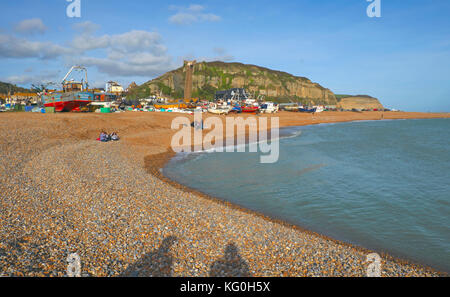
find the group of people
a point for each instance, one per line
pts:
(105, 137)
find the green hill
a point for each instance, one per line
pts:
(7, 87)
(210, 77)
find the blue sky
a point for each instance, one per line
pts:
(402, 58)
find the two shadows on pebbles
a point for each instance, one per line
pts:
(158, 263)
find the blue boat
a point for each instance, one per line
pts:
(310, 110)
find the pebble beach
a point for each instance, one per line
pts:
(63, 192)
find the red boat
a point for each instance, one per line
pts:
(73, 96)
(250, 109)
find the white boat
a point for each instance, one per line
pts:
(220, 110)
(97, 105)
(268, 107)
(320, 108)
(149, 108)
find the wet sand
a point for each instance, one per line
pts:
(64, 192)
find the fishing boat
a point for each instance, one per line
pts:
(269, 107)
(320, 108)
(218, 109)
(249, 109)
(291, 108)
(180, 105)
(74, 95)
(236, 109)
(307, 109)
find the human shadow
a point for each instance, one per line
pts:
(157, 263)
(231, 265)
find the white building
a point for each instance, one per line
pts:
(113, 87)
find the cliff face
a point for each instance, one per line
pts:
(359, 102)
(210, 77)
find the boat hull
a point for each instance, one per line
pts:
(291, 108)
(71, 101)
(174, 105)
(218, 111)
(249, 109)
(307, 110)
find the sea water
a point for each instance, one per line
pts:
(382, 185)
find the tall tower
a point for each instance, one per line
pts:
(189, 69)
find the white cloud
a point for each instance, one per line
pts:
(13, 47)
(87, 27)
(133, 41)
(220, 54)
(27, 79)
(129, 66)
(192, 14)
(133, 53)
(30, 27)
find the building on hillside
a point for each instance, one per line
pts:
(114, 87)
(23, 98)
(131, 86)
(236, 94)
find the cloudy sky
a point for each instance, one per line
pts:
(403, 58)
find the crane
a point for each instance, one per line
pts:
(76, 68)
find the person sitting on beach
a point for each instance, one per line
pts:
(114, 136)
(103, 137)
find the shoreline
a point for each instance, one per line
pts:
(156, 167)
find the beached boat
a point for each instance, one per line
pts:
(294, 108)
(236, 109)
(320, 109)
(250, 109)
(73, 96)
(219, 109)
(307, 109)
(180, 105)
(269, 107)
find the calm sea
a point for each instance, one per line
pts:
(383, 185)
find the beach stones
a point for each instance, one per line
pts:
(62, 195)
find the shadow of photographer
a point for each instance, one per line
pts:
(231, 265)
(157, 263)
